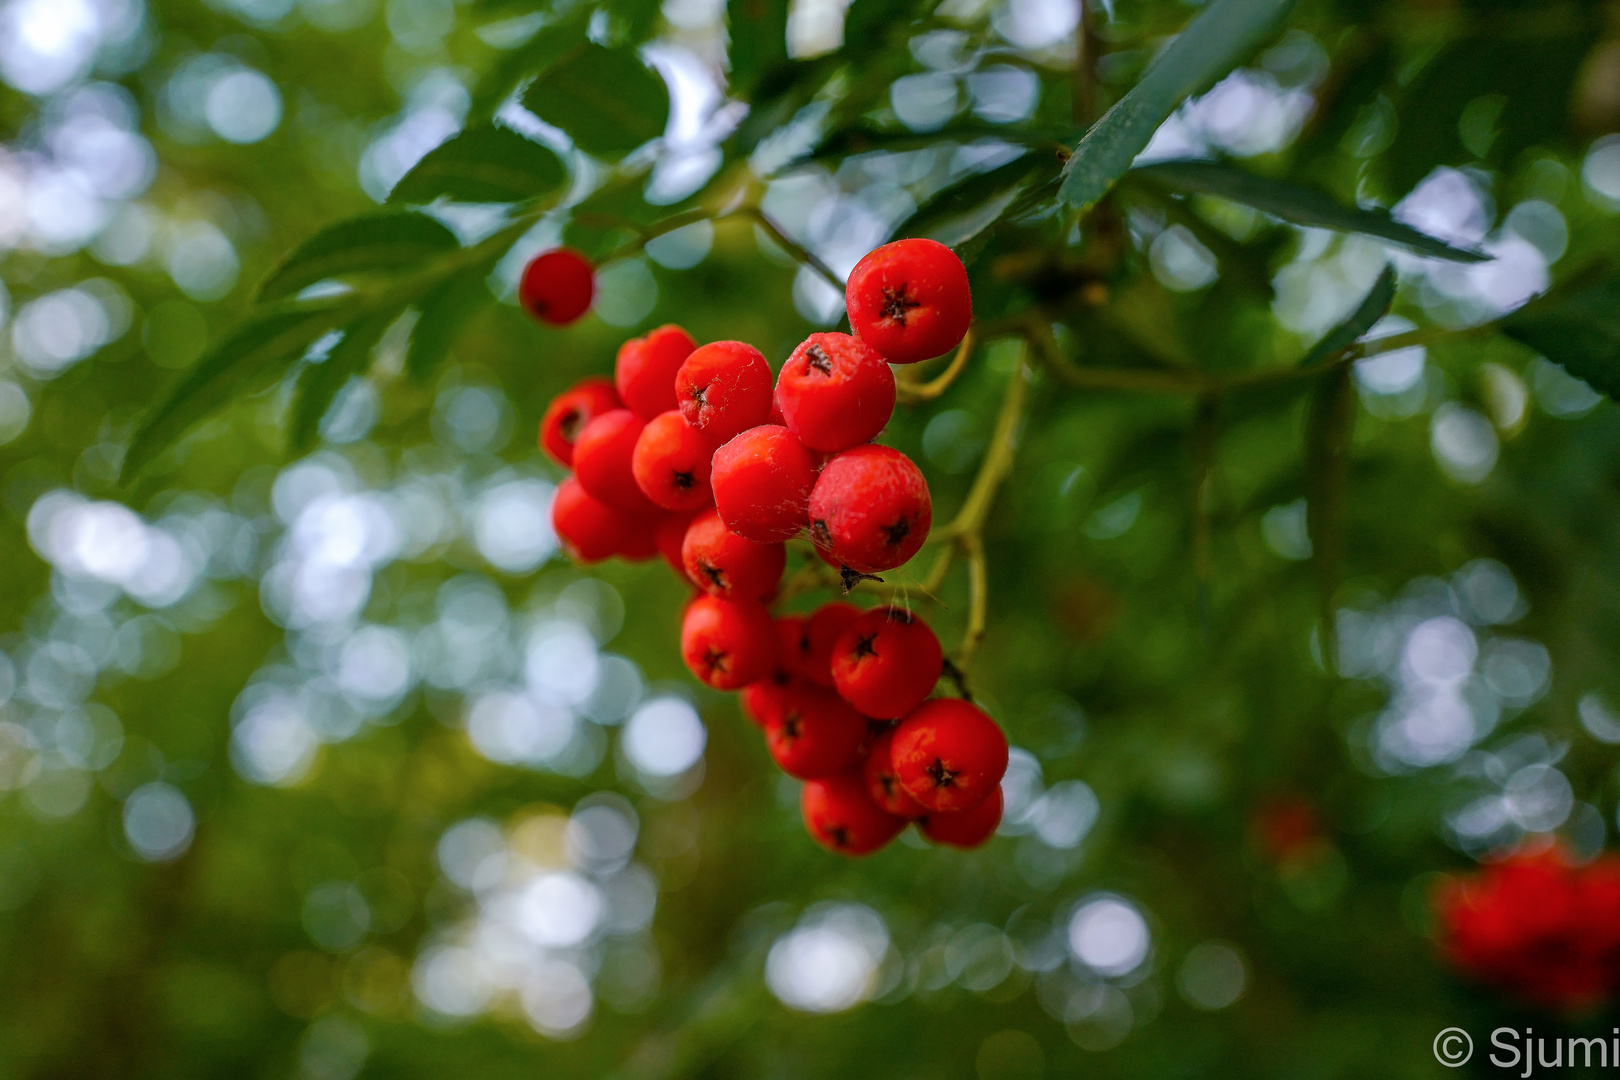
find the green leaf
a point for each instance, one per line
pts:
(1296, 203)
(865, 139)
(258, 349)
(515, 66)
(1373, 307)
(1219, 38)
(445, 313)
(1328, 432)
(483, 165)
(319, 384)
(1578, 330)
(758, 31)
(970, 206)
(390, 242)
(605, 99)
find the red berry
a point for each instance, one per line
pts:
(842, 817)
(724, 388)
(814, 733)
(910, 300)
(881, 782)
(762, 481)
(870, 509)
(965, 828)
(641, 536)
(670, 463)
(568, 414)
(764, 700)
(602, 456)
(721, 563)
(645, 371)
(557, 286)
(809, 652)
(949, 755)
(835, 392)
(886, 662)
(590, 530)
(669, 534)
(727, 644)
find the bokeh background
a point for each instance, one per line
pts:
(328, 764)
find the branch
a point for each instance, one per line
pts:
(793, 247)
(909, 393)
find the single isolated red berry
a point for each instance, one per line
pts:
(645, 371)
(835, 392)
(841, 816)
(670, 534)
(949, 755)
(557, 286)
(814, 733)
(881, 782)
(727, 644)
(568, 414)
(589, 530)
(602, 455)
(886, 662)
(723, 564)
(670, 463)
(870, 509)
(809, 652)
(965, 828)
(762, 481)
(910, 300)
(724, 388)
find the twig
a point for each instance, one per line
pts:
(908, 393)
(978, 598)
(793, 247)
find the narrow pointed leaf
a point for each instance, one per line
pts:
(607, 100)
(1373, 307)
(488, 164)
(391, 242)
(1578, 330)
(971, 205)
(517, 65)
(445, 313)
(320, 383)
(1218, 39)
(1298, 204)
(259, 348)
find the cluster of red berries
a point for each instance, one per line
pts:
(692, 453)
(1537, 925)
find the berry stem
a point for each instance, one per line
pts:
(793, 247)
(911, 393)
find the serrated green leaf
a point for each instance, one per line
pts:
(487, 164)
(514, 67)
(258, 349)
(445, 313)
(319, 384)
(390, 242)
(1373, 307)
(758, 32)
(1578, 330)
(1297, 204)
(605, 99)
(1219, 38)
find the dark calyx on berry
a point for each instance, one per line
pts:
(897, 302)
(940, 775)
(819, 360)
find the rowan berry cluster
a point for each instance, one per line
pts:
(691, 452)
(1537, 924)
